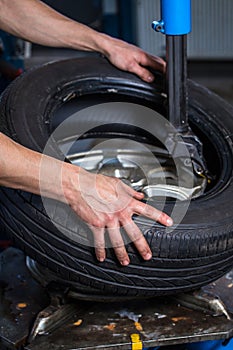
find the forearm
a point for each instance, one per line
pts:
(24, 169)
(37, 22)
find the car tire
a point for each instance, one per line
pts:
(197, 251)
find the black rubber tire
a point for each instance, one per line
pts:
(198, 251)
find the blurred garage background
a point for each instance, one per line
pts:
(210, 45)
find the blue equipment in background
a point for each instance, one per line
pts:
(175, 17)
(11, 59)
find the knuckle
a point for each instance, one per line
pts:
(160, 215)
(148, 209)
(121, 255)
(99, 245)
(124, 216)
(140, 207)
(151, 211)
(117, 243)
(136, 235)
(99, 223)
(132, 66)
(110, 220)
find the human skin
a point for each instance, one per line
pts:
(104, 203)
(36, 22)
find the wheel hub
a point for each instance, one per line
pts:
(152, 172)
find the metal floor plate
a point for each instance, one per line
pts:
(122, 325)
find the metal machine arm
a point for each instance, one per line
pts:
(176, 24)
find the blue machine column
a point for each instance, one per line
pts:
(175, 23)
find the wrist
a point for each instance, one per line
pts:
(70, 182)
(105, 44)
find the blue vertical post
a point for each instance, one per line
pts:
(176, 15)
(175, 23)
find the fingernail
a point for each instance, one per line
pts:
(125, 262)
(169, 222)
(150, 78)
(148, 256)
(101, 259)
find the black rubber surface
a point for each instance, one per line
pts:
(198, 251)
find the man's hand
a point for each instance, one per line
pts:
(102, 202)
(132, 59)
(107, 203)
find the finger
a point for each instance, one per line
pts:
(156, 62)
(118, 245)
(138, 239)
(132, 192)
(152, 213)
(138, 195)
(142, 72)
(99, 242)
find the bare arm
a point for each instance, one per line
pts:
(37, 22)
(102, 202)
(86, 193)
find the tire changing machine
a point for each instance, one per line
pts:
(34, 316)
